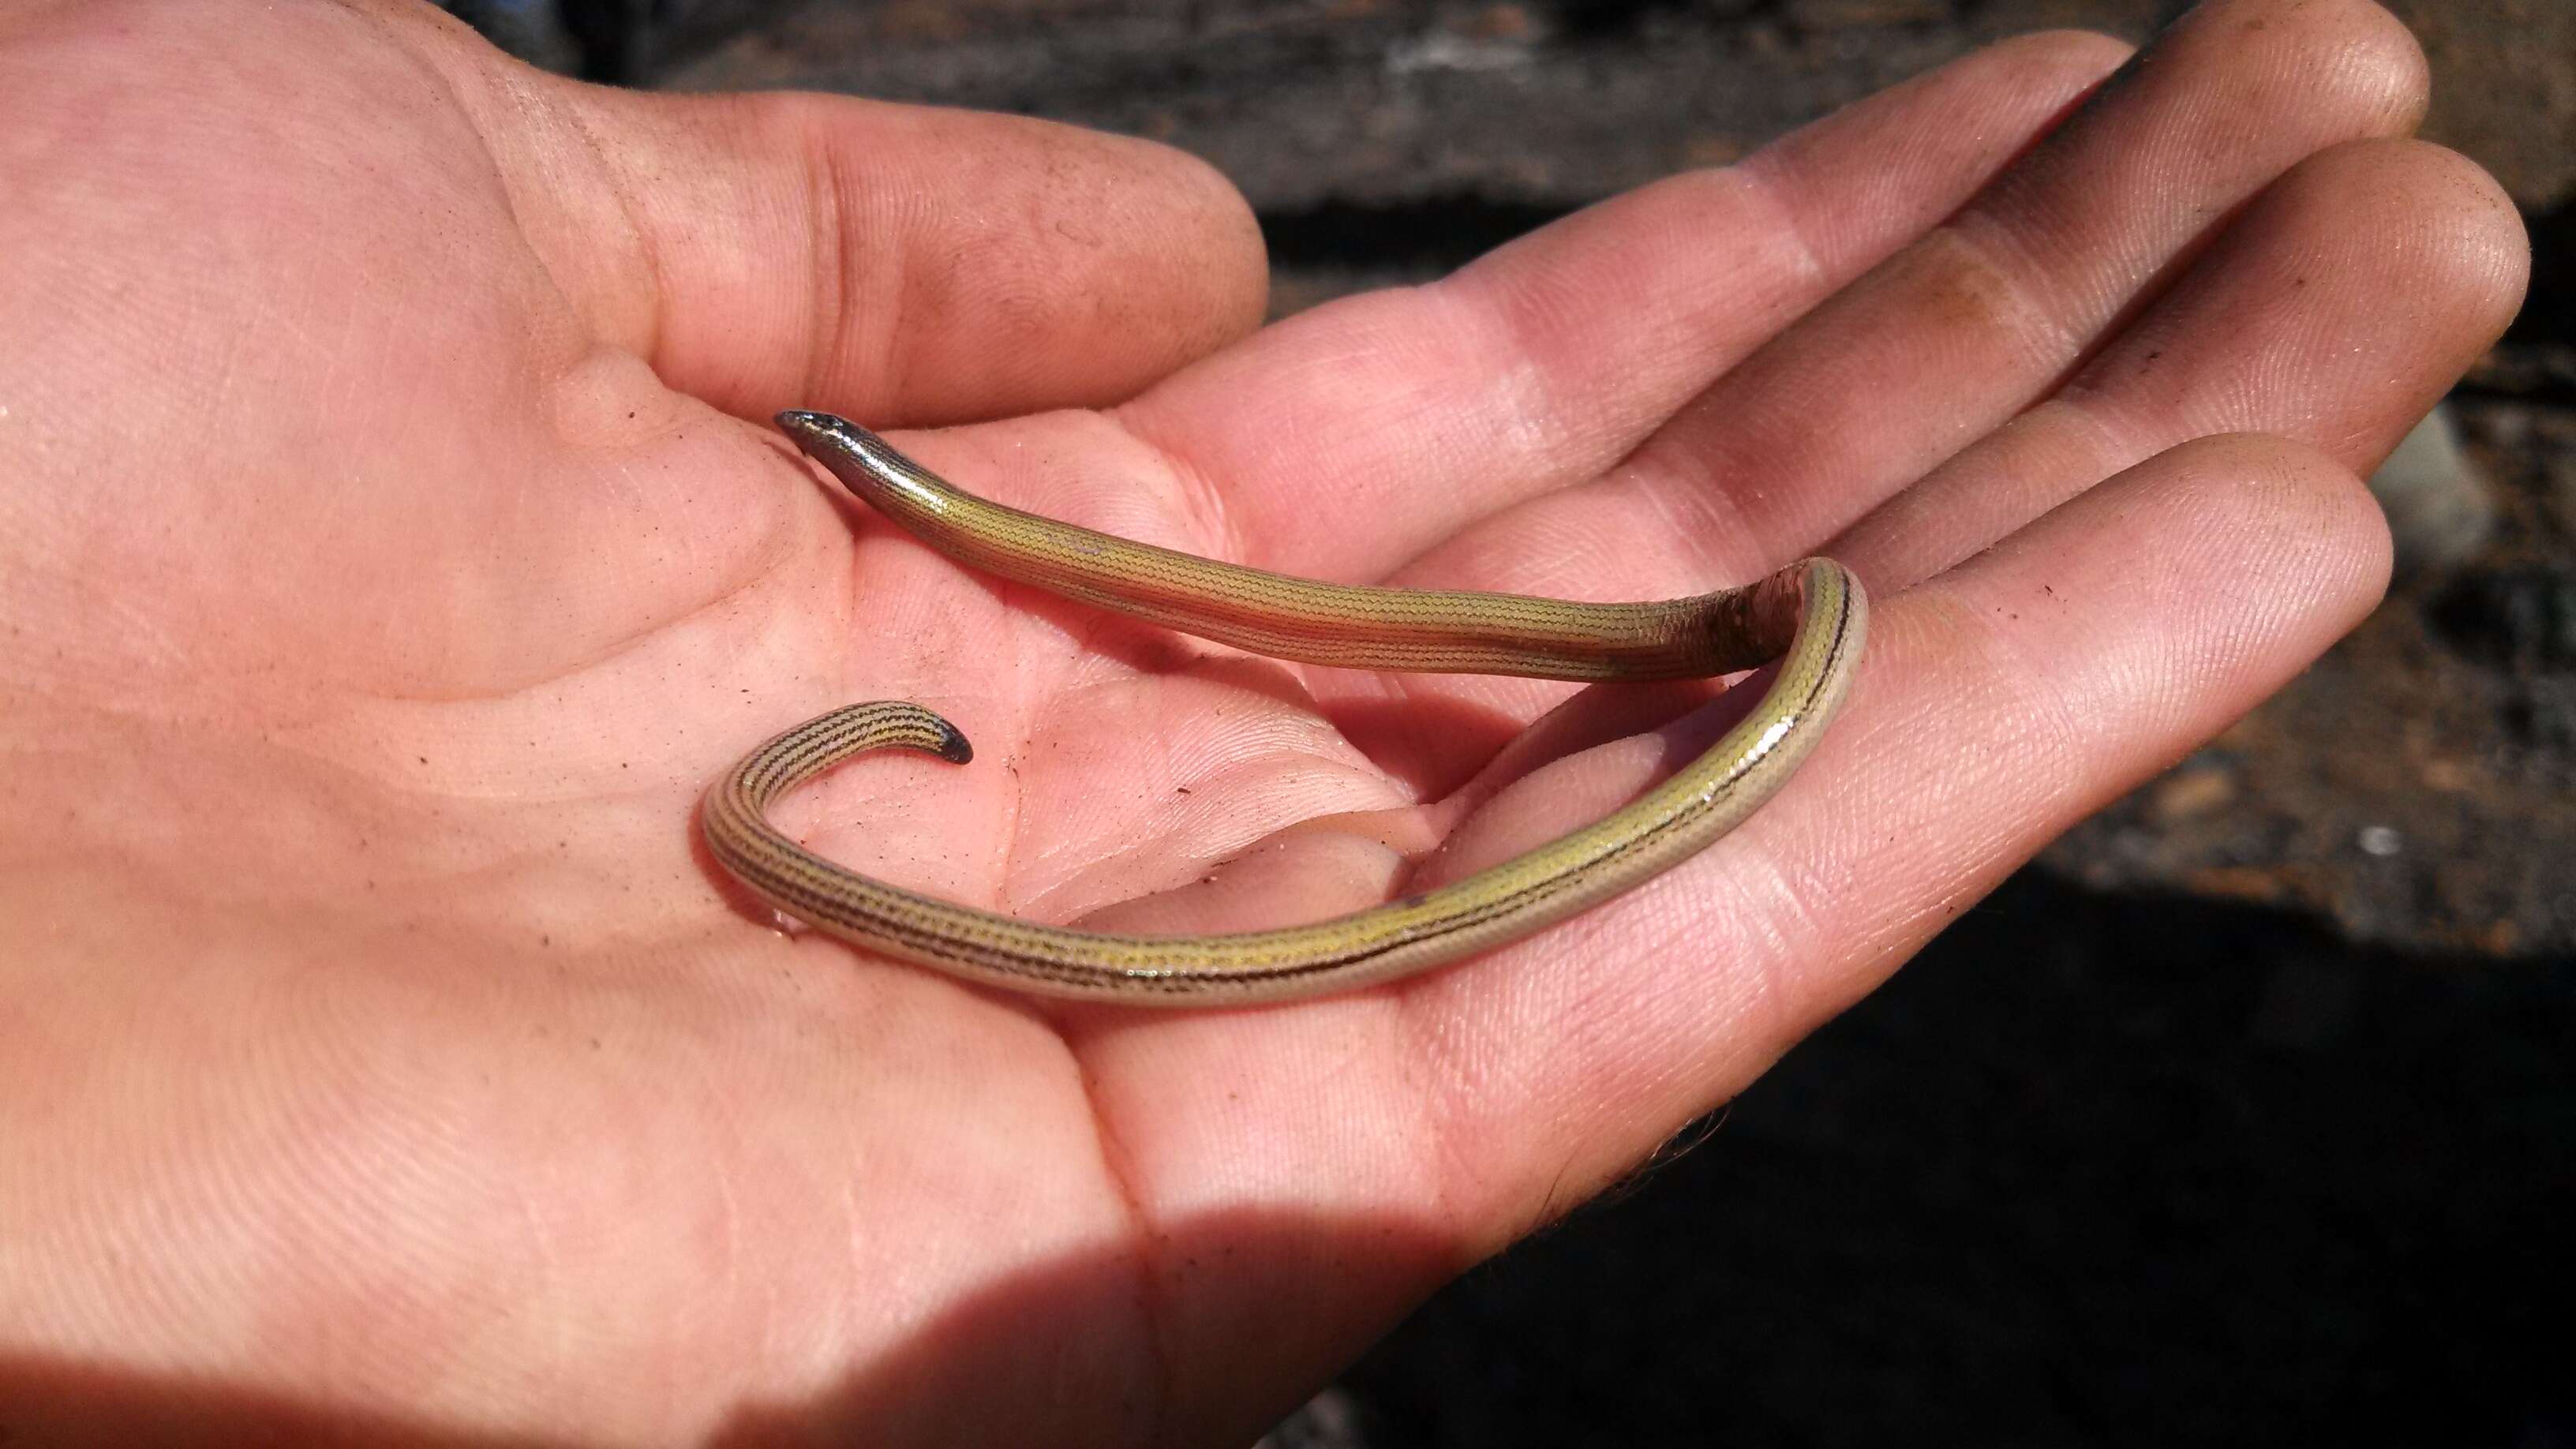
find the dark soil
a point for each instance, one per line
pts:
(2062, 1183)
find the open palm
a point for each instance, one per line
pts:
(393, 552)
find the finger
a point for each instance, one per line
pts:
(1346, 439)
(2315, 319)
(1998, 704)
(1936, 348)
(2003, 702)
(902, 264)
(1988, 313)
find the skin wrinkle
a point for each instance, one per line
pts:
(1201, 516)
(550, 1278)
(1083, 879)
(1702, 500)
(362, 1169)
(1936, 629)
(1779, 912)
(1426, 1011)
(600, 179)
(1507, 321)
(1972, 642)
(2113, 449)
(643, 244)
(1444, 1080)
(1470, 1095)
(1117, 1166)
(2047, 58)
(1013, 761)
(1451, 331)
(1762, 186)
(2091, 402)
(911, 292)
(827, 264)
(1097, 621)
(461, 101)
(2025, 222)
(760, 574)
(2407, 93)
(1751, 985)
(1707, 533)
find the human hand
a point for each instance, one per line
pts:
(389, 564)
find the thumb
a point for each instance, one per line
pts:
(903, 264)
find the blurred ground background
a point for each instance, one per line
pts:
(2249, 1114)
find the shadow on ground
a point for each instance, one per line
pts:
(2092, 1170)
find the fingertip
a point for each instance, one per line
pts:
(1219, 233)
(2385, 58)
(2474, 245)
(2288, 515)
(2352, 55)
(2260, 548)
(2399, 229)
